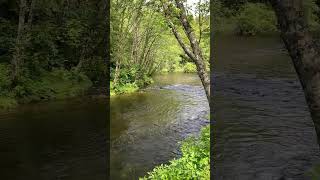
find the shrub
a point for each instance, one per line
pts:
(256, 18)
(144, 81)
(123, 88)
(194, 163)
(189, 68)
(57, 84)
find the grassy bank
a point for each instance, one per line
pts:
(128, 83)
(56, 84)
(194, 163)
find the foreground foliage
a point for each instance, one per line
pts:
(194, 163)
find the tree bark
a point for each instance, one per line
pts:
(303, 50)
(17, 56)
(25, 12)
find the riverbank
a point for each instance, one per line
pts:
(194, 162)
(147, 128)
(57, 84)
(128, 86)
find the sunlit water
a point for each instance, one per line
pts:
(263, 130)
(146, 127)
(61, 140)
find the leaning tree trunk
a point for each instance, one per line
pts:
(304, 52)
(195, 54)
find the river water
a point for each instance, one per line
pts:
(61, 140)
(147, 126)
(263, 130)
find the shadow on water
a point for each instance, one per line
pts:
(63, 140)
(147, 126)
(262, 129)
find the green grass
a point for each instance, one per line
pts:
(194, 163)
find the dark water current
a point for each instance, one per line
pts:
(263, 130)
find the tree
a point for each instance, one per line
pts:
(195, 54)
(25, 13)
(303, 50)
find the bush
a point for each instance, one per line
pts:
(189, 68)
(57, 84)
(130, 79)
(144, 81)
(256, 18)
(127, 88)
(194, 163)
(123, 88)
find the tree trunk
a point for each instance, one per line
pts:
(25, 12)
(116, 73)
(304, 52)
(196, 53)
(198, 57)
(18, 53)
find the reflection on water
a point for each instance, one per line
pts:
(63, 140)
(263, 129)
(147, 126)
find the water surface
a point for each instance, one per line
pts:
(147, 126)
(262, 129)
(61, 140)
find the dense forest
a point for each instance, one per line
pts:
(142, 43)
(50, 49)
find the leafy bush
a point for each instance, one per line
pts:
(52, 85)
(130, 80)
(144, 81)
(127, 88)
(123, 88)
(256, 18)
(194, 163)
(189, 68)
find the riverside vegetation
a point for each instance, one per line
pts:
(155, 37)
(50, 49)
(255, 17)
(143, 44)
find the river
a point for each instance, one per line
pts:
(147, 126)
(60, 140)
(262, 129)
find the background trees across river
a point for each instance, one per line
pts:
(50, 49)
(143, 44)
